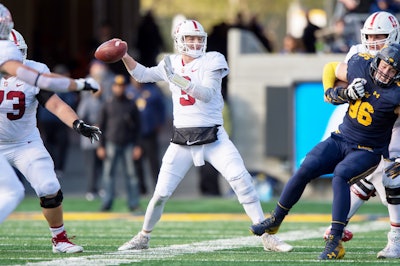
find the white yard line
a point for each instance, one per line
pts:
(117, 258)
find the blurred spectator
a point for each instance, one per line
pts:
(309, 37)
(356, 6)
(104, 76)
(54, 132)
(257, 28)
(149, 41)
(354, 13)
(88, 110)
(391, 6)
(335, 38)
(89, 107)
(151, 104)
(239, 22)
(291, 45)
(120, 123)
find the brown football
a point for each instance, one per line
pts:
(341, 83)
(111, 51)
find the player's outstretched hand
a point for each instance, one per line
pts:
(355, 90)
(393, 170)
(179, 81)
(91, 132)
(87, 84)
(168, 67)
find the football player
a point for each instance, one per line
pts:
(11, 63)
(194, 78)
(380, 29)
(355, 149)
(22, 146)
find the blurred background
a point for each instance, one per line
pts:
(276, 51)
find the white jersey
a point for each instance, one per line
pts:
(188, 111)
(355, 49)
(18, 107)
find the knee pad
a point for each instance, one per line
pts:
(363, 189)
(244, 189)
(393, 195)
(54, 202)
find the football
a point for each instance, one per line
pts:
(340, 83)
(111, 51)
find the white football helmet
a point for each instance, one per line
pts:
(6, 22)
(380, 23)
(19, 41)
(190, 28)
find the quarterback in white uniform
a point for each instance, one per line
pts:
(21, 145)
(11, 63)
(380, 29)
(194, 78)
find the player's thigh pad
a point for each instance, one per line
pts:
(176, 162)
(35, 163)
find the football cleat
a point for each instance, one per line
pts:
(347, 235)
(61, 244)
(334, 249)
(269, 225)
(139, 241)
(273, 243)
(392, 249)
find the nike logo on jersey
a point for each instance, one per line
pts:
(189, 143)
(194, 70)
(19, 84)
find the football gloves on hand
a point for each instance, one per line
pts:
(393, 170)
(355, 90)
(179, 81)
(87, 84)
(91, 132)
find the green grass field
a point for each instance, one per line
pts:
(209, 231)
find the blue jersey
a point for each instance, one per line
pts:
(369, 121)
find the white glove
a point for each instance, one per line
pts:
(355, 90)
(87, 84)
(179, 81)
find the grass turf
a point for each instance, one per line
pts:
(176, 242)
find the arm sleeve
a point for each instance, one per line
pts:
(56, 84)
(328, 75)
(144, 74)
(208, 88)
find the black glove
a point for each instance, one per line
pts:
(91, 132)
(393, 170)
